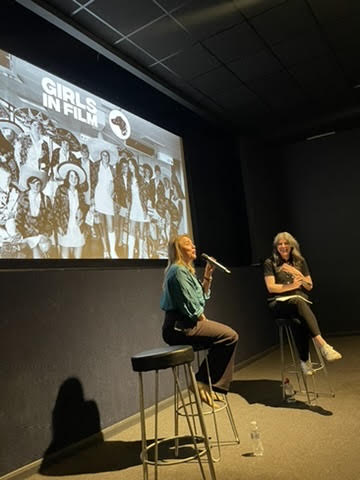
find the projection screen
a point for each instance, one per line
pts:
(80, 177)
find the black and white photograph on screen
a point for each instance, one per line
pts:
(80, 177)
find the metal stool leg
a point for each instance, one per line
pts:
(143, 428)
(176, 416)
(202, 422)
(322, 367)
(156, 459)
(198, 456)
(177, 408)
(282, 356)
(232, 422)
(191, 403)
(213, 411)
(296, 362)
(215, 459)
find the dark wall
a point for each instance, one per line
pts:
(265, 180)
(324, 201)
(219, 213)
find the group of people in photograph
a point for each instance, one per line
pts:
(60, 198)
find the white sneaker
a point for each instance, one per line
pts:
(306, 367)
(329, 353)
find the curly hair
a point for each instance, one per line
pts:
(295, 254)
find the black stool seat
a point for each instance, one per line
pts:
(286, 321)
(161, 358)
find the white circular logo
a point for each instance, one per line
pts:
(119, 124)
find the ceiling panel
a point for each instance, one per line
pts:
(253, 110)
(192, 62)
(171, 4)
(126, 15)
(236, 42)
(95, 25)
(251, 8)
(216, 80)
(328, 11)
(351, 68)
(67, 6)
(303, 47)
(259, 65)
(170, 77)
(151, 38)
(321, 76)
(278, 90)
(253, 118)
(203, 18)
(345, 33)
(288, 100)
(181, 85)
(285, 21)
(232, 98)
(135, 52)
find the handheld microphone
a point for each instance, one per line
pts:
(214, 262)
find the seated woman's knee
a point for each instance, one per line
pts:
(233, 336)
(295, 301)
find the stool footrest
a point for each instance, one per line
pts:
(206, 409)
(175, 460)
(315, 394)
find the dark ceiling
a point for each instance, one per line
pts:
(278, 69)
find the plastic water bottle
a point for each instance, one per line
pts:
(289, 391)
(258, 449)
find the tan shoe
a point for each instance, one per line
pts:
(306, 367)
(205, 395)
(328, 352)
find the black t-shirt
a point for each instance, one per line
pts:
(284, 278)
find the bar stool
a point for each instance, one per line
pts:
(216, 407)
(160, 359)
(303, 381)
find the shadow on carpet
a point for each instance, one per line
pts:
(268, 392)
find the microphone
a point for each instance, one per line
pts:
(214, 262)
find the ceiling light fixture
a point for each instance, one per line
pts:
(321, 135)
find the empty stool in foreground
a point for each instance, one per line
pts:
(306, 383)
(221, 404)
(160, 359)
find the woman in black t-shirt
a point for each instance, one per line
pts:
(288, 281)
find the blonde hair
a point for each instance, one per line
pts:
(295, 254)
(175, 255)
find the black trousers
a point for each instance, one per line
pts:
(304, 327)
(219, 338)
